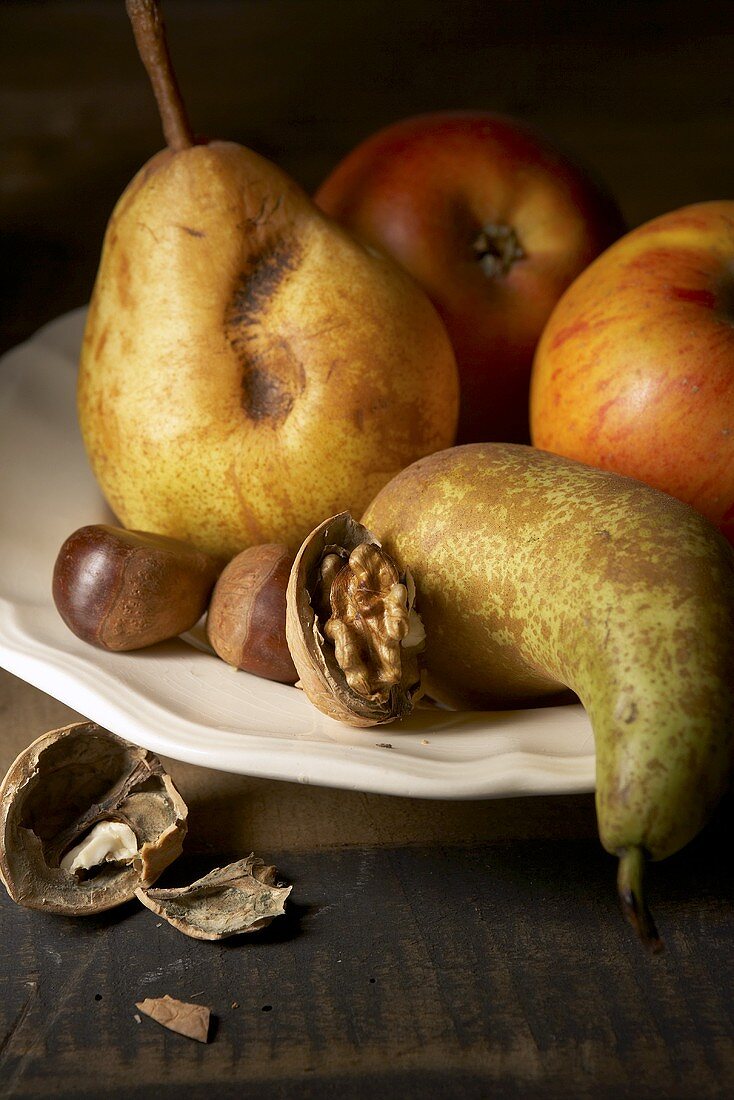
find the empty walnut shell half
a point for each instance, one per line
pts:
(352, 627)
(73, 797)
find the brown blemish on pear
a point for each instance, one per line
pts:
(535, 572)
(99, 346)
(271, 381)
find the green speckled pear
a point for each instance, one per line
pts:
(534, 572)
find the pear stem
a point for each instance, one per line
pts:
(629, 884)
(150, 38)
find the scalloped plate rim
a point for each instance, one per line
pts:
(541, 751)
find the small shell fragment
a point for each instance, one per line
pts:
(184, 1018)
(241, 897)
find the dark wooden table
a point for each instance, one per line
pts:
(431, 948)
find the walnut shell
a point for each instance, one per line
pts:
(314, 645)
(229, 901)
(56, 791)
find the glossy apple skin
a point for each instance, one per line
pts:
(424, 189)
(635, 370)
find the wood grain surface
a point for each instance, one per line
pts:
(430, 948)
(444, 949)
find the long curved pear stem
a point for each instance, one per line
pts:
(150, 37)
(629, 884)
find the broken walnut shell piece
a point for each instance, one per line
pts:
(184, 1018)
(55, 794)
(352, 628)
(241, 897)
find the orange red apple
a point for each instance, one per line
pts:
(494, 224)
(635, 369)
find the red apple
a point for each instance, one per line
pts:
(635, 370)
(494, 224)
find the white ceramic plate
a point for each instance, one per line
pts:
(181, 701)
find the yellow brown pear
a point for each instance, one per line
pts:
(248, 367)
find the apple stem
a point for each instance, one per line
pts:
(629, 884)
(150, 37)
(497, 247)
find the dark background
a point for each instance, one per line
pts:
(640, 90)
(432, 949)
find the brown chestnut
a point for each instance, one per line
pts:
(123, 590)
(246, 620)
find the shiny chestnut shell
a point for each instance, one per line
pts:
(123, 590)
(246, 620)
